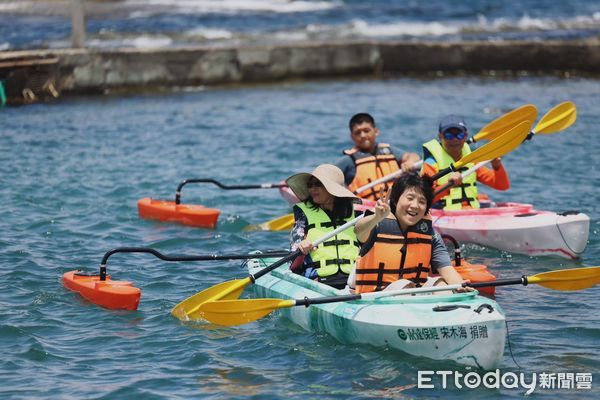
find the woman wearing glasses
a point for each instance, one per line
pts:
(324, 205)
(451, 147)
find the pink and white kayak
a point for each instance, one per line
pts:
(513, 227)
(288, 195)
(517, 228)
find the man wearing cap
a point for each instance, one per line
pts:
(368, 160)
(450, 147)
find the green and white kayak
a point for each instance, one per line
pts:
(464, 327)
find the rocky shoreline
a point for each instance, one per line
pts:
(93, 71)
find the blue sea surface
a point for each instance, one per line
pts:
(169, 23)
(72, 172)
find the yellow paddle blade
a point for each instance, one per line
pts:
(187, 310)
(503, 123)
(238, 312)
(559, 118)
(283, 223)
(500, 146)
(568, 279)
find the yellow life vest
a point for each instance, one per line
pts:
(395, 255)
(371, 167)
(338, 253)
(467, 191)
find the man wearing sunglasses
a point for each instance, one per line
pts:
(450, 147)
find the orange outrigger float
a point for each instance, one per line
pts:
(100, 289)
(170, 211)
(190, 214)
(119, 295)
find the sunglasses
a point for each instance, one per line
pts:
(313, 183)
(449, 135)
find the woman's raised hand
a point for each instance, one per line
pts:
(382, 207)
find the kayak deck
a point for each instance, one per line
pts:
(466, 328)
(518, 228)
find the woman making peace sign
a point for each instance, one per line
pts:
(401, 249)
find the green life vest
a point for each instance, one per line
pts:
(467, 191)
(338, 253)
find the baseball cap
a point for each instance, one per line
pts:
(452, 121)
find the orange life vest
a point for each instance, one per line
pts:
(371, 167)
(393, 256)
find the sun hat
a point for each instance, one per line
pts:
(329, 175)
(452, 121)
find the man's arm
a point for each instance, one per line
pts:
(348, 168)
(496, 178)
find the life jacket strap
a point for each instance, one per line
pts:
(340, 242)
(403, 241)
(334, 261)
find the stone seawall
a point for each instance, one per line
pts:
(98, 71)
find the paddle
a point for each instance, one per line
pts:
(187, 309)
(499, 146)
(226, 187)
(237, 312)
(386, 178)
(557, 119)
(283, 223)
(490, 132)
(501, 124)
(463, 175)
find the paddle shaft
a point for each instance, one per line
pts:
(376, 295)
(464, 174)
(165, 257)
(510, 119)
(226, 187)
(501, 145)
(548, 119)
(296, 253)
(386, 178)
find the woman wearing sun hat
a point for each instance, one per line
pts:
(324, 205)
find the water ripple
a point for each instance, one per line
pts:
(72, 197)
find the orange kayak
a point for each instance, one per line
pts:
(118, 295)
(187, 214)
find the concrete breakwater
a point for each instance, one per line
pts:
(100, 71)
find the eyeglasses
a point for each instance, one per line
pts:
(313, 183)
(449, 135)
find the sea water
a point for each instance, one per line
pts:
(169, 23)
(72, 172)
